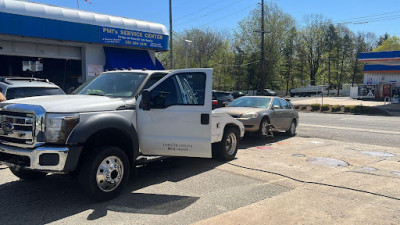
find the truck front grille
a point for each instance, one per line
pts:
(16, 127)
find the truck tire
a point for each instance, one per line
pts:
(226, 149)
(104, 172)
(292, 130)
(27, 174)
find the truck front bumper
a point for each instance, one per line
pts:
(43, 158)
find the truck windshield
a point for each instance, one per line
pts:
(118, 85)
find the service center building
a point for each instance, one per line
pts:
(74, 45)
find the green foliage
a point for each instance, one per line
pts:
(349, 108)
(336, 108)
(315, 107)
(390, 44)
(320, 52)
(304, 107)
(358, 109)
(325, 107)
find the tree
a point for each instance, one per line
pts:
(313, 38)
(277, 24)
(288, 57)
(331, 43)
(390, 44)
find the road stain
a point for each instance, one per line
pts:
(327, 162)
(264, 148)
(299, 155)
(369, 168)
(397, 173)
(282, 143)
(380, 154)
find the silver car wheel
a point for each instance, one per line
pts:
(293, 128)
(264, 128)
(110, 173)
(231, 143)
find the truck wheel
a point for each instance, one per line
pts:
(292, 130)
(104, 173)
(226, 149)
(26, 174)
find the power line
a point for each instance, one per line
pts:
(362, 17)
(246, 64)
(200, 10)
(213, 21)
(209, 13)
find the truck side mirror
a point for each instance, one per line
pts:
(146, 100)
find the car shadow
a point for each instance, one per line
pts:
(250, 141)
(58, 196)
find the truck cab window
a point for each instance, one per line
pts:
(193, 87)
(166, 94)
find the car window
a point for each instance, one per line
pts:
(276, 103)
(284, 104)
(152, 80)
(166, 94)
(24, 92)
(251, 102)
(193, 86)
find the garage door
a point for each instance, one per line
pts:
(19, 48)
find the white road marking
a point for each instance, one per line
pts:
(351, 128)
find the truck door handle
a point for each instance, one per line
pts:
(205, 119)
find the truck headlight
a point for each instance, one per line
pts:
(59, 126)
(249, 115)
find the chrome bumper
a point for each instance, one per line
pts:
(8, 154)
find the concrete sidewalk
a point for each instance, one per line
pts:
(334, 101)
(390, 109)
(364, 191)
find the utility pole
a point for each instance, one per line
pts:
(262, 49)
(171, 55)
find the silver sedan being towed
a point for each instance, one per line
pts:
(264, 114)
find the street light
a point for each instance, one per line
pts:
(187, 42)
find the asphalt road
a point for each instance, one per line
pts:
(179, 192)
(184, 190)
(376, 130)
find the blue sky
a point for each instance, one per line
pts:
(382, 16)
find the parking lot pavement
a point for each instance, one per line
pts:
(331, 181)
(279, 180)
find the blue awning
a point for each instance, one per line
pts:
(118, 58)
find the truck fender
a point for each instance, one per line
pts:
(102, 121)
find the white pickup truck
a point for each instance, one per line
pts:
(114, 122)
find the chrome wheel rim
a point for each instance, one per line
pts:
(292, 128)
(110, 173)
(264, 128)
(231, 143)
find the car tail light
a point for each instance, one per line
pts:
(214, 102)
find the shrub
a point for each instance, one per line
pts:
(315, 107)
(297, 107)
(304, 107)
(336, 108)
(361, 109)
(325, 107)
(349, 108)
